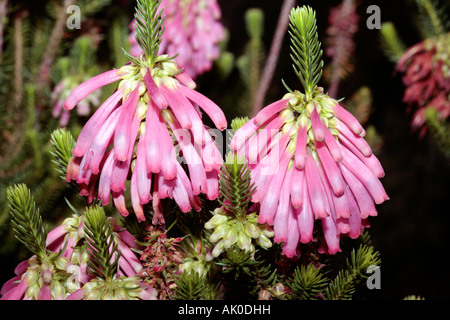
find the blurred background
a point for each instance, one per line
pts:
(410, 231)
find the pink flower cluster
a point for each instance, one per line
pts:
(60, 276)
(310, 163)
(427, 79)
(139, 131)
(192, 30)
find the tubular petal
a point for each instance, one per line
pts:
(89, 86)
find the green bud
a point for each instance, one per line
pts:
(244, 241)
(219, 232)
(264, 241)
(218, 249)
(252, 230)
(229, 238)
(254, 19)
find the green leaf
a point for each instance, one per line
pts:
(26, 220)
(391, 43)
(306, 47)
(432, 18)
(235, 184)
(307, 283)
(148, 26)
(62, 145)
(102, 246)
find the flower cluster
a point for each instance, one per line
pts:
(310, 163)
(60, 93)
(192, 32)
(229, 230)
(151, 119)
(65, 273)
(426, 68)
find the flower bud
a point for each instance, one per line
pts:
(229, 238)
(218, 249)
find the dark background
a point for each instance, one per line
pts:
(410, 230)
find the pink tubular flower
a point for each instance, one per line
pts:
(310, 163)
(139, 132)
(427, 79)
(193, 31)
(65, 270)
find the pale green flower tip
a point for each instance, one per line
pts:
(32, 277)
(264, 241)
(252, 230)
(229, 237)
(218, 219)
(218, 249)
(244, 241)
(218, 233)
(61, 263)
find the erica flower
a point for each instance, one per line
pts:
(70, 71)
(426, 77)
(38, 279)
(309, 159)
(193, 31)
(70, 236)
(138, 132)
(59, 95)
(310, 162)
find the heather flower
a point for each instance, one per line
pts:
(70, 71)
(60, 93)
(309, 160)
(140, 131)
(193, 31)
(120, 288)
(66, 270)
(230, 231)
(426, 77)
(70, 238)
(39, 279)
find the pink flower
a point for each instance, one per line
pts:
(38, 279)
(137, 134)
(310, 163)
(59, 95)
(61, 274)
(193, 31)
(427, 79)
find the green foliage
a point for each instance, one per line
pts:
(344, 285)
(307, 283)
(26, 220)
(235, 185)
(148, 27)
(432, 20)
(251, 63)
(439, 129)
(102, 247)
(391, 43)
(306, 47)
(193, 286)
(62, 145)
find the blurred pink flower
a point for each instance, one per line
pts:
(310, 163)
(137, 134)
(427, 79)
(193, 31)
